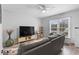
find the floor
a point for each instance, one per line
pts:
(70, 50)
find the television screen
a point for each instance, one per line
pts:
(26, 31)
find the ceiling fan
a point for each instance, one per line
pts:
(44, 7)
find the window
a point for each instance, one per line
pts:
(61, 25)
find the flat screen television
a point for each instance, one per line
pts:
(26, 31)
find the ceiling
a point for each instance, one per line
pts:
(34, 10)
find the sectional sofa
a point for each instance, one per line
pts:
(50, 46)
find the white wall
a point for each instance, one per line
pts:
(74, 22)
(12, 20)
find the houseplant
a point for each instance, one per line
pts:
(10, 41)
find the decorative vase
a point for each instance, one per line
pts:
(10, 41)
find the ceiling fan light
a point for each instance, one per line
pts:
(43, 11)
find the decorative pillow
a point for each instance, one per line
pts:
(53, 36)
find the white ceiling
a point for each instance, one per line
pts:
(32, 9)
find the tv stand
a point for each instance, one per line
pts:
(23, 39)
(28, 37)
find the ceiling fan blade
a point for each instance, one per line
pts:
(42, 6)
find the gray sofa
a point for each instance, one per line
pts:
(50, 46)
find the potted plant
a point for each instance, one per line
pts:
(10, 41)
